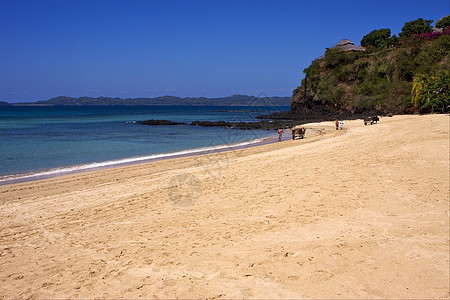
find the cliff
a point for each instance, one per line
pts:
(373, 80)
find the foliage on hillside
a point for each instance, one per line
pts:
(381, 78)
(444, 22)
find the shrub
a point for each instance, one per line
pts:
(362, 74)
(406, 71)
(434, 34)
(365, 103)
(343, 73)
(367, 88)
(335, 57)
(361, 64)
(431, 93)
(338, 94)
(326, 86)
(439, 48)
(384, 70)
(423, 61)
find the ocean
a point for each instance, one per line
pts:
(40, 141)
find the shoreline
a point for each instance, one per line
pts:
(355, 213)
(129, 161)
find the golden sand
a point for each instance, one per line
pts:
(357, 213)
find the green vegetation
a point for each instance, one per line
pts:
(444, 22)
(393, 75)
(415, 27)
(431, 93)
(377, 38)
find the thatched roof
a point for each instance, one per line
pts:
(344, 42)
(347, 45)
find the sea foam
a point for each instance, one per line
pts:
(119, 162)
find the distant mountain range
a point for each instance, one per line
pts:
(238, 100)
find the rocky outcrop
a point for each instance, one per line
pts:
(160, 122)
(264, 125)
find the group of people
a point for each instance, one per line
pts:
(339, 124)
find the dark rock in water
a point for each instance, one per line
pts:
(160, 122)
(265, 125)
(211, 123)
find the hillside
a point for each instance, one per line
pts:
(238, 100)
(379, 78)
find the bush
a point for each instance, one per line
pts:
(439, 48)
(384, 69)
(326, 86)
(423, 61)
(338, 94)
(431, 93)
(361, 64)
(313, 74)
(434, 34)
(406, 71)
(344, 73)
(367, 88)
(362, 75)
(429, 58)
(365, 104)
(335, 57)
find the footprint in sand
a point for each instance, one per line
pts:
(184, 189)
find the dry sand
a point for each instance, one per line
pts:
(358, 213)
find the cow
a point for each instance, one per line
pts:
(298, 132)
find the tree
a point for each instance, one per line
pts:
(444, 22)
(415, 27)
(376, 38)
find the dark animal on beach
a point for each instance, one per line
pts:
(298, 132)
(371, 120)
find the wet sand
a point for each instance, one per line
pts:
(357, 213)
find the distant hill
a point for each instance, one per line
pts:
(239, 100)
(2, 103)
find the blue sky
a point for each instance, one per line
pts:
(211, 48)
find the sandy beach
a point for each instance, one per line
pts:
(356, 213)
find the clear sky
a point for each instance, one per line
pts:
(211, 48)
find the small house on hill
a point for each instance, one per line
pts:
(347, 45)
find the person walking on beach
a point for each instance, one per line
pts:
(337, 124)
(341, 124)
(280, 134)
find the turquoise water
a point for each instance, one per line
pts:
(36, 140)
